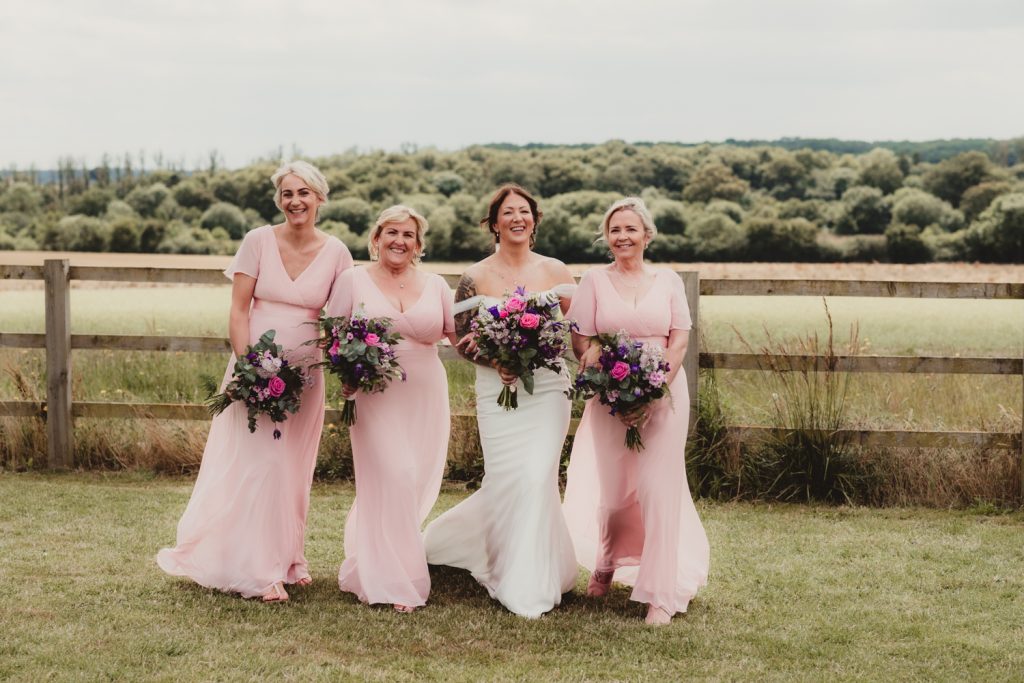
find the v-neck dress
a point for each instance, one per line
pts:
(244, 527)
(631, 511)
(399, 446)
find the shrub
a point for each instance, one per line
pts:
(92, 202)
(920, 209)
(124, 235)
(978, 198)
(863, 212)
(227, 216)
(716, 237)
(448, 182)
(772, 239)
(998, 234)
(904, 244)
(147, 199)
(191, 194)
(357, 214)
(21, 197)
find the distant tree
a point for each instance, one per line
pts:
(669, 216)
(124, 235)
(904, 244)
(920, 209)
(774, 239)
(978, 198)
(92, 202)
(863, 212)
(783, 176)
(21, 197)
(716, 237)
(448, 182)
(998, 234)
(714, 181)
(192, 194)
(354, 212)
(881, 168)
(147, 199)
(949, 179)
(227, 216)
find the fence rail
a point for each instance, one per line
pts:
(59, 411)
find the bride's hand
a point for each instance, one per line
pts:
(507, 376)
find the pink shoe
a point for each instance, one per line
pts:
(600, 581)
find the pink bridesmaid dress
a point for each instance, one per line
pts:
(399, 446)
(628, 511)
(244, 527)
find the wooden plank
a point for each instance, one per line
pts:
(23, 409)
(146, 342)
(195, 276)
(917, 290)
(59, 432)
(17, 340)
(21, 272)
(895, 364)
(157, 411)
(691, 361)
(895, 438)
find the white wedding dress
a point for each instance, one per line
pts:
(510, 534)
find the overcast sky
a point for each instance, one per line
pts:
(245, 77)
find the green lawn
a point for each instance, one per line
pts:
(796, 593)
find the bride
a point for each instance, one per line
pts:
(510, 534)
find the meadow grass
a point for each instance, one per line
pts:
(795, 593)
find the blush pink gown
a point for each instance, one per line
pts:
(244, 527)
(631, 511)
(399, 446)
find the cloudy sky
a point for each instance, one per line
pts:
(246, 77)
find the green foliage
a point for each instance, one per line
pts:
(192, 194)
(774, 239)
(863, 211)
(949, 179)
(881, 168)
(448, 182)
(356, 213)
(978, 198)
(918, 208)
(227, 216)
(905, 244)
(147, 199)
(92, 202)
(21, 197)
(124, 235)
(714, 180)
(998, 234)
(716, 237)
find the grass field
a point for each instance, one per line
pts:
(795, 593)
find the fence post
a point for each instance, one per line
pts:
(691, 361)
(59, 446)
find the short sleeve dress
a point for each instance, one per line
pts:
(244, 527)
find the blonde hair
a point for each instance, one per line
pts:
(398, 213)
(304, 171)
(637, 206)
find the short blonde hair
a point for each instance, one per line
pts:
(637, 206)
(304, 171)
(398, 213)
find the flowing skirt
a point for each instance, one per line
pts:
(244, 526)
(510, 534)
(633, 512)
(399, 445)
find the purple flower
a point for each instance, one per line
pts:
(277, 434)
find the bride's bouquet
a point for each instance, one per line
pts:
(522, 333)
(361, 353)
(264, 381)
(629, 375)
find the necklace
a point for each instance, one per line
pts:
(396, 278)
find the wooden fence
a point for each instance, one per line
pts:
(59, 410)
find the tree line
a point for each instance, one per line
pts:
(786, 200)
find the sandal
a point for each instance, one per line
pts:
(276, 593)
(599, 583)
(657, 616)
(404, 609)
(304, 581)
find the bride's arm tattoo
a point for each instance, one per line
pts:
(466, 289)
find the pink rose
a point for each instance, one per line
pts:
(335, 348)
(371, 339)
(515, 305)
(503, 314)
(620, 370)
(276, 386)
(529, 321)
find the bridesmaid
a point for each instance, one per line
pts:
(630, 514)
(244, 528)
(400, 440)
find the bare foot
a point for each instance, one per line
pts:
(656, 616)
(404, 609)
(276, 593)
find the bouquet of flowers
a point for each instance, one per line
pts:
(361, 353)
(522, 333)
(630, 374)
(264, 381)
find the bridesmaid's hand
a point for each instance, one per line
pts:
(637, 417)
(591, 356)
(347, 392)
(468, 346)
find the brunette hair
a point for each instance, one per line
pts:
(501, 194)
